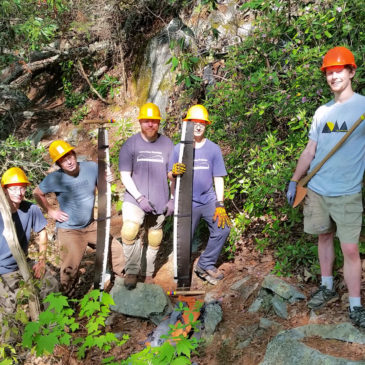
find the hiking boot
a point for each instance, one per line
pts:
(212, 276)
(130, 281)
(357, 316)
(321, 297)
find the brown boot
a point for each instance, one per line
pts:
(130, 281)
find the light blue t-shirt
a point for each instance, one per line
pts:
(208, 163)
(343, 172)
(75, 195)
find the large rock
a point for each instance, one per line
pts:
(282, 288)
(145, 301)
(287, 348)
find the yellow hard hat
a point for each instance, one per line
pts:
(14, 175)
(198, 112)
(59, 148)
(149, 111)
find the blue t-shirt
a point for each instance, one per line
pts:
(148, 164)
(27, 218)
(342, 174)
(75, 195)
(208, 163)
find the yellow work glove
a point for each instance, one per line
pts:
(221, 214)
(178, 169)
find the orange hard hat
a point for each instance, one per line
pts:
(338, 56)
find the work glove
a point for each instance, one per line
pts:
(178, 169)
(221, 214)
(169, 208)
(146, 205)
(290, 194)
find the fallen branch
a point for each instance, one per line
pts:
(83, 74)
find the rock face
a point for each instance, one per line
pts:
(145, 301)
(287, 348)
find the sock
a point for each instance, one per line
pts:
(354, 302)
(327, 281)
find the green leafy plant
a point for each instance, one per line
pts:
(58, 322)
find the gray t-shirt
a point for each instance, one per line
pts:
(148, 163)
(342, 174)
(75, 195)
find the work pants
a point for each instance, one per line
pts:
(217, 236)
(140, 258)
(73, 243)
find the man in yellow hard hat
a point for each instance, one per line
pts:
(27, 217)
(208, 193)
(74, 185)
(143, 162)
(333, 204)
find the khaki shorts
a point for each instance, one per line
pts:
(325, 214)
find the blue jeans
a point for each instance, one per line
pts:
(217, 236)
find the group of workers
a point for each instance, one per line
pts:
(149, 166)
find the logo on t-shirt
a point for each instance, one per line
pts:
(333, 127)
(150, 156)
(201, 164)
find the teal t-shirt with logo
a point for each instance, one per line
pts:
(343, 173)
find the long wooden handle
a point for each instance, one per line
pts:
(305, 179)
(99, 121)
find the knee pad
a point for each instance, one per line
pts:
(129, 232)
(154, 238)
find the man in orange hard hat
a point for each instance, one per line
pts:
(27, 217)
(74, 185)
(143, 162)
(334, 202)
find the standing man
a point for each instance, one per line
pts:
(26, 217)
(143, 166)
(207, 200)
(334, 202)
(74, 184)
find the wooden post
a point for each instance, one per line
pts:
(16, 250)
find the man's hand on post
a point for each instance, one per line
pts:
(291, 192)
(222, 216)
(178, 169)
(146, 205)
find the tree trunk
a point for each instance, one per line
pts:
(16, 250)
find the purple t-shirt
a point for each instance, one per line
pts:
(27, 218)
(148, 162)
(208, 163)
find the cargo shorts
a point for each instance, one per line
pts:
(340, 214)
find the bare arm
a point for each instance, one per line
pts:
(126, 177)
(219, 188)
(305, 160)
(39, 267)
(55, 214)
